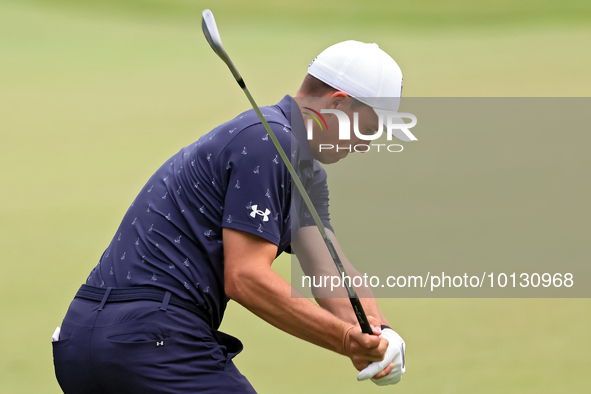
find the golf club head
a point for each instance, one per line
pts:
(212, 35)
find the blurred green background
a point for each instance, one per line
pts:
(94, 95)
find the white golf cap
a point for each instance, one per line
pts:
(365, 72)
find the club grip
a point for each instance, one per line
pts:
(361, 317)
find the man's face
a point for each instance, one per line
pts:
(323, 139)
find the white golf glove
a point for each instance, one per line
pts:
(394, 353)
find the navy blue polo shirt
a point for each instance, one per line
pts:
(233, 177)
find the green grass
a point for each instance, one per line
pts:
(95, 95)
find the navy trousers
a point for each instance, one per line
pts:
(143, 347)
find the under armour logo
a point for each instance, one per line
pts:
(159, 343)
(256, 212)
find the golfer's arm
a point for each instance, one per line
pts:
(316, 261)
(250, 281)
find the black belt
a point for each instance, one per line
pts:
(125, 294)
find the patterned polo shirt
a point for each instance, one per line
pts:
(232, 177)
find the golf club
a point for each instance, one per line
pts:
(212, 35)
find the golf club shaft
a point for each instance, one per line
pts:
(355, 302)
(219, 50)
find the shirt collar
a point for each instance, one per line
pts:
(291, 110)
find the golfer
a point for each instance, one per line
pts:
(206, 228)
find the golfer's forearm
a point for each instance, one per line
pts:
(371, 308)
(267, 295)
(341, 307)
(370, 305)
(317, 262)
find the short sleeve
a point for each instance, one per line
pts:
(256, 184)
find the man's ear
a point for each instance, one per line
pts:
(337, 98)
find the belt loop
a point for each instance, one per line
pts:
(165, 301)
(100, 308)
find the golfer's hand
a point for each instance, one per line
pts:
(364, 348)
(390, 369)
